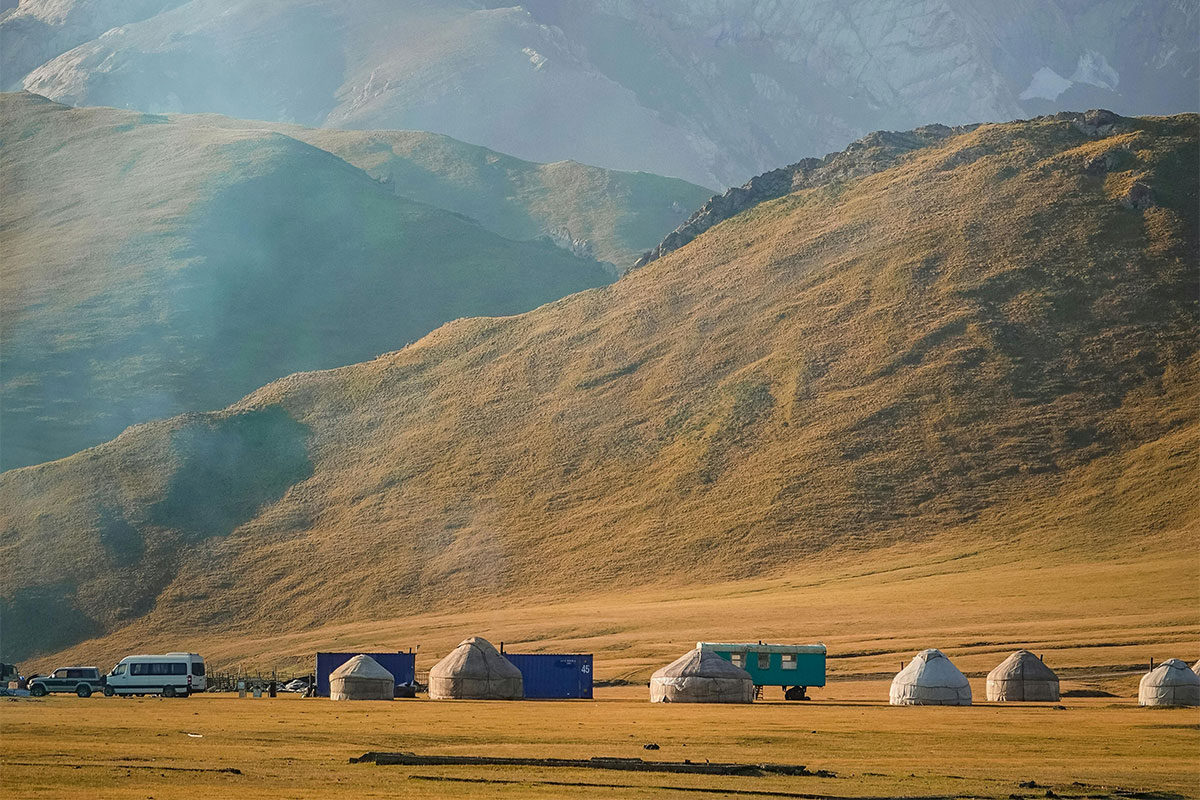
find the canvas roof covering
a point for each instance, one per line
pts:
(1022, 677)
(701, 676)
(1171, 683)
(930, 679)
(361, 678)
(475, 670)
(1196, 668)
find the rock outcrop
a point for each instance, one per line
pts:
(876, 152)
(872, 153)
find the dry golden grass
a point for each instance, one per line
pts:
(65, 747)
(989, 366)
(1096, 621)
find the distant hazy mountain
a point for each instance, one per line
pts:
(709, 91)
(985, 336)
(152, 266)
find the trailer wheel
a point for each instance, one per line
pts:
(796, 693)
(168, 691)
(83, 690)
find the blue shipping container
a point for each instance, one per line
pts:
(403, 667)
(554, 676)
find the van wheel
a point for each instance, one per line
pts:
(109, 691)
(168, 691)
(37, 690)
(83, 690)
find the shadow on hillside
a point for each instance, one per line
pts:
(229, 468)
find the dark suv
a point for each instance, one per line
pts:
(80, 680)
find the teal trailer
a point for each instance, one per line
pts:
(795, 667)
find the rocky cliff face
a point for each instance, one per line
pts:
(709, 91)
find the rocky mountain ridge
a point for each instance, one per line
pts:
(710, 92)
(872, 153)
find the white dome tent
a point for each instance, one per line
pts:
(361, 678)
(1022, 677)
(475, 670)
(1171, 683)
(701, 676)
(930, 679)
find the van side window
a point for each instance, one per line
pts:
(119, 669)
(179, 668)
(138, 669)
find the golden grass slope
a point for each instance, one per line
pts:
(983, 343)
(156, 265)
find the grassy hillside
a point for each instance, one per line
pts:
(614, 216)
(990, 345)
(154, 266)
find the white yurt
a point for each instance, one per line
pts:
(475, 670)
(930, 679)
(1171, 683)
(701, 676)
(1022, 677)
(361, 678)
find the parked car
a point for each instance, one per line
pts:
(80, 680)
(171, 675)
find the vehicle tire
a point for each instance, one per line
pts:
(83, 690)
(37, 690)
(109, 691)
(168, 691)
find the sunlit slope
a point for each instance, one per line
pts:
(611, 215)
(153, 267)
(993, 341)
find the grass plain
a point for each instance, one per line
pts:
(1096, 622)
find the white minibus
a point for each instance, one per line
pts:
(171, 675)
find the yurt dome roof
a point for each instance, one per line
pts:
(702, 664)
(1022, 665)
(1172, 672)
(475, 657)
(362, 666)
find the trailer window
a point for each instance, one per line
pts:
(738, 659)
(764, 660)
(789, 660)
